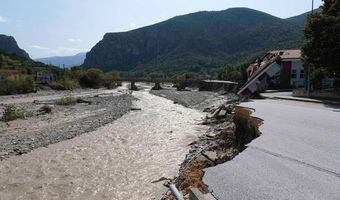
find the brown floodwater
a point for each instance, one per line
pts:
(118, 161)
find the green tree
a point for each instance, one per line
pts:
(322, 43)
(231, 73)
(243, 70)
(316, 77)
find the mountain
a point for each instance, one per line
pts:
(195, 42)
(9, 45)
(67, 61)
(301, 20)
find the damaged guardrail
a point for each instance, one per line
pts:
(177, 194)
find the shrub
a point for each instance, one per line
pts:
(27, 84)
(55, 86)
(11, 113)
(68, 84)
(111, 79)
(64, 84)
(180, 78)
(23, 85)
(91, 78)
(316, 77)
(68, 100)
(232, 73)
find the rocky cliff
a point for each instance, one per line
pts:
(9, 45)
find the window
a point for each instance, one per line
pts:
(294, 73)
(302, 73)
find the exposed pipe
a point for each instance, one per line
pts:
(178, 195)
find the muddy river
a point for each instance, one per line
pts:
(118, 161)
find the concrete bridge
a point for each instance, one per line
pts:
(181, 84)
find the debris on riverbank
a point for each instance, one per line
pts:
(196, 99)
(65, 122)
(231, 128)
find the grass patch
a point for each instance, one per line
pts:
(11, 113)
(69, 100)
(66, 101)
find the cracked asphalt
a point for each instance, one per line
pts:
(296, 157)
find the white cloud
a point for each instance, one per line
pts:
(67, 49)
(74, 40)
(45, 51)
(3, 19)
(39, 47)
(133, 25)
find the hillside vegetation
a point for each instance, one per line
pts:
(200, 42)
(301, 20)
(24, 65)
(26, 68)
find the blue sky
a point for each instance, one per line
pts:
(66, 27)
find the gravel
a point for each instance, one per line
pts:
(196, 99)
(65, 123)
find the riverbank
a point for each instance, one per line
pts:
(200, 100)
(132, 157)
(226, 137)
(126, 159)
(64, 122)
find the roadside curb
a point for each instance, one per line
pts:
(302, 99)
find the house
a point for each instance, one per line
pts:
(279, 69)
(9, 74)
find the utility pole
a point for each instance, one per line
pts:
(309, 68)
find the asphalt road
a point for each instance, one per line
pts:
(296, 157)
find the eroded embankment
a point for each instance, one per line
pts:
(232, 127)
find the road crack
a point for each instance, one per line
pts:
(296, 161)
